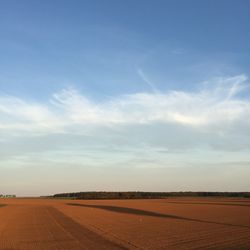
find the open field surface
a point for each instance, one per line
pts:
(174, 223)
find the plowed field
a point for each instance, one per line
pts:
(181, 223)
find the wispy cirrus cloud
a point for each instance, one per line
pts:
(215, 106)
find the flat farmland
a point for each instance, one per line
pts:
(176, 223)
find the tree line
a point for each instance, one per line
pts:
(147, 195)
(7, 196)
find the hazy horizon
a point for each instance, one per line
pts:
(118, 96)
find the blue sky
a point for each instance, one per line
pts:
(124, 95)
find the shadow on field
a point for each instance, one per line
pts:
(2, 205)
(127, 210)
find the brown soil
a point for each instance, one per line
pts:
(181, 223)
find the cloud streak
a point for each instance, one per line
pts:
(146, 80)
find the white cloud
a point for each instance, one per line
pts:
(207, 129)
(211, 107)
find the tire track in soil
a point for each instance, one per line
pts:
(83, 235)
(209, 203)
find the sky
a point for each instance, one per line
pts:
(124, 96)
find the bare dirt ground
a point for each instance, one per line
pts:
(180, 223)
